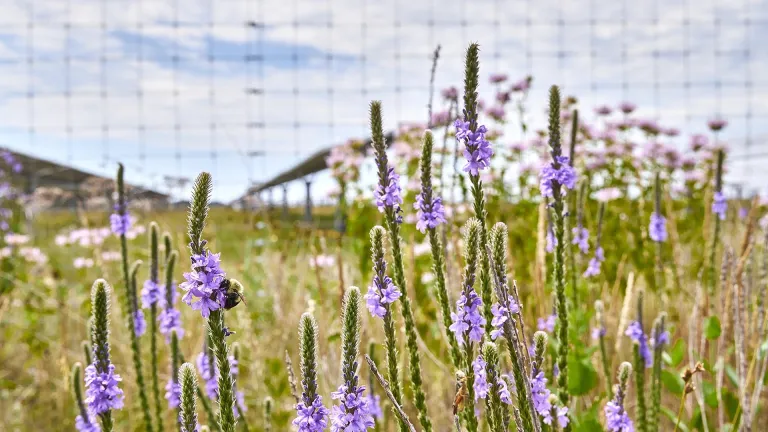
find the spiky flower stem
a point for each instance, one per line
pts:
(641, 412)
(86, 351)
(471, 80)
(100, 306)
(130, 303)
(210, 415)
(198, 213)
(559, 259)
(600, 310)
(493, 375)
(268, 414)
(658, 349)
(77, 392)
(392, 222)
(438, 260)
(390, 339)
(711, 280)
(471, 252)
(175, 361)
(659, 266)
(188, 404)
(153, 276)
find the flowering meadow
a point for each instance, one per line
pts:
(591, 276)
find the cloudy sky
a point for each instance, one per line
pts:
(174, 87)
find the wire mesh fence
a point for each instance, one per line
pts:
(247, 88)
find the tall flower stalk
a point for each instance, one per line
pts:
(188, 404)
(381, 294)
(311, 416)
(616, 417)
(151, 296)
(85, 420)
(208, 290)
(353, 413)
(657, 231)
(431, 214)
(120, 222)
(599, 333)
(556, 177)
(388, 201)
(719, 213)
(659, 338)
(478, 152)
(643, 359)
(102, 394)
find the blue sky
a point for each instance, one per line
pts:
(175, 86)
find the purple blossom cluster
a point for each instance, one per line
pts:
(120, 221)
(616, 417)
(139, 322)
(564, 175)
(204, 283)
(635, 332)
(540, 396)
(547, 323)
(659, 339)
(388, 196)
(467, 318)
(501, 315)
(311, 416)
(719, 205)
(173, 393)
(477, 149)
(102, 391)
(581, 238)
(380, 293)
(170, 320)
(598, 332)
(481, 385)
(210, 374)
(353, 413)
(89, 424)
(151, 294)
(429, 215)
(593, 268)
(657, 229)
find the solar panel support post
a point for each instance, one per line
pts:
(285, 201)
(308, 205)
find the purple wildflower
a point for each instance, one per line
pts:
(658, 340)
(547, 324)
(500, 316)
(429, 215)
(720, 205)
(170, 320)
(389, 196)
(504, 391)
(477, 150)
(565, 176)
(210, 373)
(562, 416)
(87, 425)
(312, 416)
(139, 323)
(717, 124)
(204, 283)
(120, 221)
(467, 318)
(352, 414)
(173, 393)
(498, 78)
(551, 240)
(374, 406)
(627, 107)
(603, 110)
(598, 332)
(380, 293)
(657, 229)
(481, 385)
(102, 391)
(540, 395)
(581, 238)
(635, 332)
(151, 294)
(617, 419)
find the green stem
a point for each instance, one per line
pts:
(640, 409)
(226, 382)
(155, 379)
(438, 267)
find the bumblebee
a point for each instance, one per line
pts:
(232, 293)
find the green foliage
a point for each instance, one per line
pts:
(712, 328)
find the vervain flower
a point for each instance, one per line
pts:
(374, 406)
(565, 175)
(617, 419)
(353, 413)
(717, 124)
(547, 324)
(581, 238)
(102, 392)
(551, 240)
(467, 318)
(204, 283)
(657, 230)
(139, 323)
(481, 385)
(540, 395)
(170, 320)
(477, 150)
(173, 393)
(635, 332)
(593, 268)
(87, 425)
(719, 205)
(500, 316)
(151, 293)
(429, 216)
(380, 293)
(120, 220)
(312, 416)
(504, 391)
(389, 195)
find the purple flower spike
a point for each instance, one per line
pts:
(540, 394)
(565, 176)
(90, 424)
(481, 385)
(173, 394)
(551, 241)
(635, 332)
(353, 413)
(547, 324)
(312, 417)
(390, 195)
(720, 205)
(504, 391)
(204, 283)
(170, 320)
(429, 216)
(102, 392)
(374, 406)
(500, 316)
(617, 419)
(381, 293)
(717, 124)
(562, 416)
(139, 323)
(657, 230)
(467, 318)
(120, 223)
(477, 150)
(151, 294)
(581, 238)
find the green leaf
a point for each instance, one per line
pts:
(710, 393)
(712, 328)
(676, 354)
(672, 382)
(582, 377)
